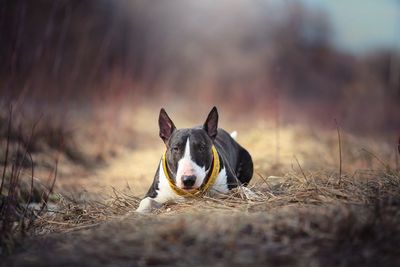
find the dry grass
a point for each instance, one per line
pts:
(312, 212)
(293, 222)
(16, 196)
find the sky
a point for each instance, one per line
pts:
(363, 25)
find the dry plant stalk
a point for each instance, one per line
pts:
(277, 129)
(397, 155)
(301, 169)
(16, 218)
(7, 150)
(340, 151)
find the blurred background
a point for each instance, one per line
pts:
(91, 77)
(319, 60)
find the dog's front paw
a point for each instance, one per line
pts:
(147, 205)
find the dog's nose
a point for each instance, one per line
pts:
(188, 180)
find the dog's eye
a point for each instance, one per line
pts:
(175, 149)
(201, 148)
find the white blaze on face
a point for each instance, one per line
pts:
(186, 166)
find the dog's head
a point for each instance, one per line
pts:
(189, 151)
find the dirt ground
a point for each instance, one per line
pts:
(307, 214)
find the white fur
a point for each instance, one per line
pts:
(234, 135)
(186, 166)
(220, 185)
(146, 205)
(164, 194)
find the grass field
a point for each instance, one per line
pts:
(316, 206)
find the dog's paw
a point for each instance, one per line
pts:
(147, 205)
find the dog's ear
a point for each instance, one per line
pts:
(166, 125)
(211, 124)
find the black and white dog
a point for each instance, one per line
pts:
(197, 160)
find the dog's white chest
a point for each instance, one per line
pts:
(164, 192)
(221, 184)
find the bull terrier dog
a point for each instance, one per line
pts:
(200, 160)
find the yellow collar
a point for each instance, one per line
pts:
(203, 188)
